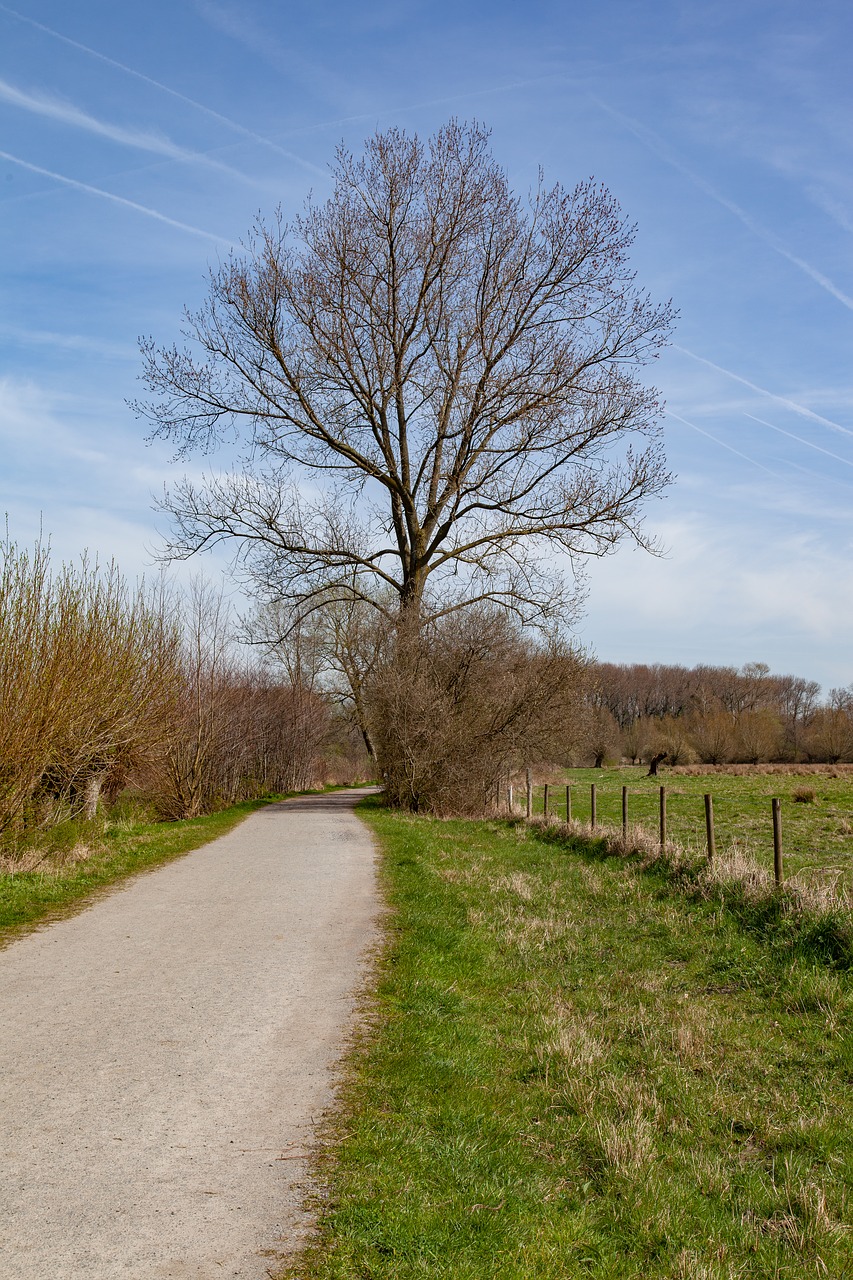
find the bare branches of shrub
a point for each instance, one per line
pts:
(104, 686)
(461, 705)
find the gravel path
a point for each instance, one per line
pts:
(163, 1055)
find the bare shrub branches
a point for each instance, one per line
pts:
(84, 663)
(103, 686)
(231, 730)
(457, 708)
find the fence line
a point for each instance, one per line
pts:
(710, 838)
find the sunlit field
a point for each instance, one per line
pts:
(817, 828)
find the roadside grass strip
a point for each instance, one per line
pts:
(99, 854)
(572, 1069)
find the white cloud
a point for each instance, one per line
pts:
(109, 195)
(727, 594)
(69, 114)
(164, 88)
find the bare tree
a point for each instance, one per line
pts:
(436, 384)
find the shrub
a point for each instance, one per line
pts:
(461, 705)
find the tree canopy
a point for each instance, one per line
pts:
(435, 384)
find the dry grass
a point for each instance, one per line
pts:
(804, 795)
(817, 901)
(48, 860)
(764, 770)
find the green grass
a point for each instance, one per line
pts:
(120, 847)
(573, 1070)
(817, 837)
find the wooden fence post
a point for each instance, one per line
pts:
(624, 813)
(663, 819)
(529, 795)
(568, 803)
(592, 804)
(545, 805)
(709, 827)
(777, 842)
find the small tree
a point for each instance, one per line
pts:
(634, 739)
(758, 736)
(601, 738)
(829, 735)
(712, 735)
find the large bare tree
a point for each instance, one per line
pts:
(435, 383)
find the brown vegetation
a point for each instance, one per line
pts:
(457, 708)
(714, 716)
(104, 688)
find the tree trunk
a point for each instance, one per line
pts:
(92, 794)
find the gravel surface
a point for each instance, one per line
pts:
(164, 1054)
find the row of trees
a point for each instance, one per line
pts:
(714, 715)
(104, 687)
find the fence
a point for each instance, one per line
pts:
(553, 803)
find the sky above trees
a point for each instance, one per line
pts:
(138, 143)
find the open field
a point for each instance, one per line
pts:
(574, 1071)
(817, 835)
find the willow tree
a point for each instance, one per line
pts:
(434, 386)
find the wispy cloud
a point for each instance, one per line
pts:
(659, 147)
(762, 391)
(101, 347)
(800, 439)
(109, 195)
(717, 440)
(69, 114)
(164, 88)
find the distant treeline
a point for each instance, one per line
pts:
(713, 715)
(107, 689)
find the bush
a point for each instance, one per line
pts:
(461, 705)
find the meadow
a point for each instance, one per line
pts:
(570, 1068)
(817, 828)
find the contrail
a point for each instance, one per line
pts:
(164, 88)
(771, 395)
(68, 113)
(722, 443)
(657, 145)
(791, 436)
(108, 195)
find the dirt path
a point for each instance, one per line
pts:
(163, 1054)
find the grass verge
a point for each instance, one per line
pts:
(111, 851)
(575, 1070)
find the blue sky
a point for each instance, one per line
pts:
(137, 143)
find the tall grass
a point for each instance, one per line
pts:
(814, 918)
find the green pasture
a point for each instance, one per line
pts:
(570, 1069)
(817, 836)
